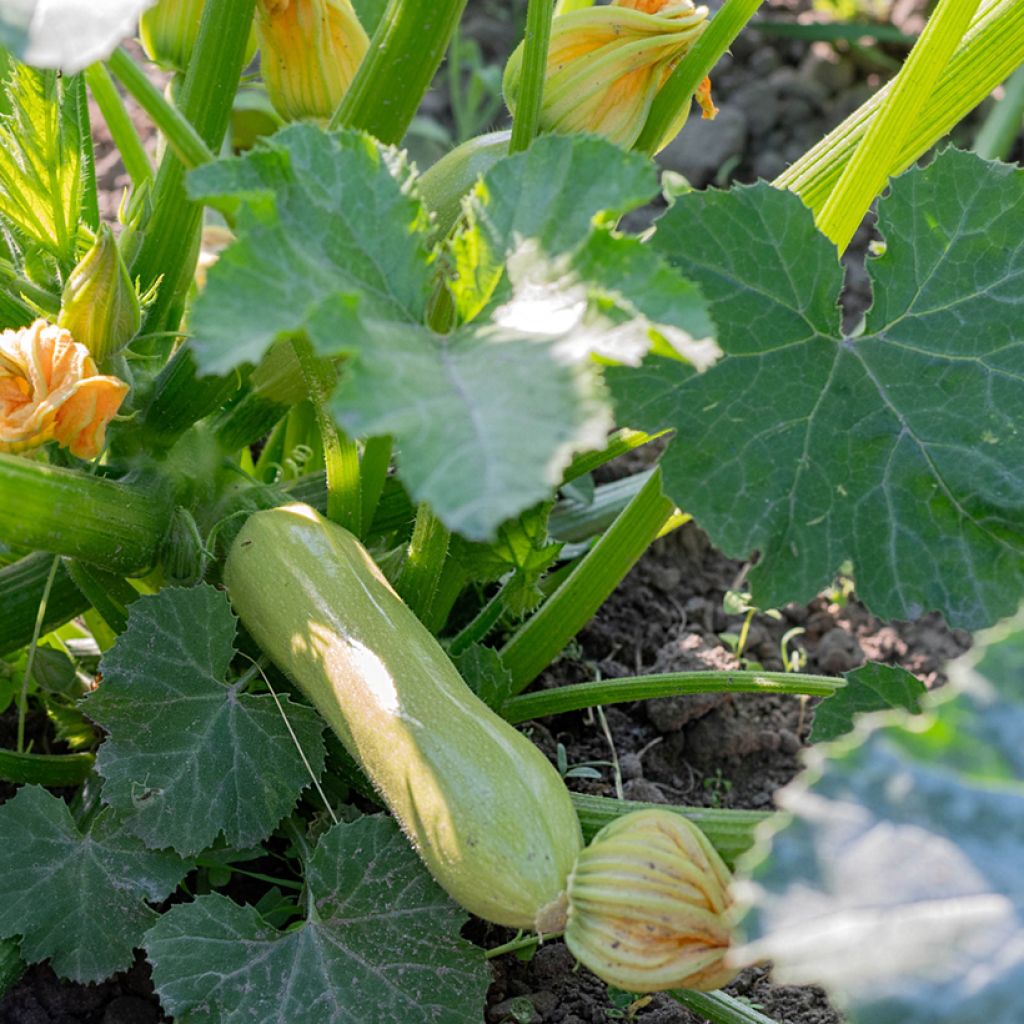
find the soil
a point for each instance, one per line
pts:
(777, 97)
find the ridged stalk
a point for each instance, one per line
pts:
(1001, 128)
(113, 525)
(543, 636)
(730, 832)
(45, 769)
(677, 93)
(668, 684)
(119, 123)
(405, 53)
(988, 54)
(21, 589)
(181, 136)
(180, 397)
(719, 1007)
(531, 87)
(867, 172)
(171, 240)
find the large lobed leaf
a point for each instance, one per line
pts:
(40, 161)
(77, 898)
(900, 449)
(896, 881)
(380, 944)
(188, 756)
(332, 244)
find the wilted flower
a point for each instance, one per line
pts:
(50, 390)
(100, 307)
(311, 50)
(649, 905)
(606, 65)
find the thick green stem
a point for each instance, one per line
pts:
(405, 53)
(45, 769)
(1001, 128)
(541, 638)
(180, 397)
(119, 123)
(171, 244)
(251, 418)
(526, 124)
(90, 197)
(486, 619)
(867, 172)
(677, 93)
(181, 136)
(21, 591)
(341, 456)
(37, 632)
(425, 562)
(731, 832)
(113, 525)
(373, 471)
(991, 50)
(719, 1007)
(669, 684)
(110, 595)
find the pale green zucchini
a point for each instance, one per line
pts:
(486, 811)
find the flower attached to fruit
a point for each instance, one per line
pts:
(168, 33)
(606, 65)
(311, 50)
(649, 907)
(100, 307)
(50, 390)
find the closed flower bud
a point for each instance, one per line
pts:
(311, 50)
(649, 907)
(100, 307)
(168, 33)
(606, 65)
(50, 390)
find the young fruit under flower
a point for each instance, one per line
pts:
(169, 29)
(50, 390)
(311, 50)
(100, 307)
(649, 907)
(606, 65)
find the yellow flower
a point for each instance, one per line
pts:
(606, 65)
(311, 50)
(649, 905)
(50, 390)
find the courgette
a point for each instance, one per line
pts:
(485, 809)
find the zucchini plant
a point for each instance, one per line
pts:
(360, 428)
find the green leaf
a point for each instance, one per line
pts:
(897, 881)
(332, 243)
(899, 449)
(329, 235)
(66, 34)
(486, 419)
(873, 687)
(40, 161)
(189, 757)
(380, 944)
(77, 899)
(522, 548)
(485, 674)
(545, 198)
